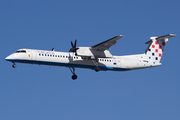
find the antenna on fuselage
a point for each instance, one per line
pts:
(53, 49)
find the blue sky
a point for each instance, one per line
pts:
(32, 92)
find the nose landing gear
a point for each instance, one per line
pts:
(74, 77)
(14, 65)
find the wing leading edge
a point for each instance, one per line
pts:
(106, 44)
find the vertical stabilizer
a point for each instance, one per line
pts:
(156, 47)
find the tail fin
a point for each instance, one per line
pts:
(156, 47)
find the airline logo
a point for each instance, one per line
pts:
(156, 49)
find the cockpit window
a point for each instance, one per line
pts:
(20, 51)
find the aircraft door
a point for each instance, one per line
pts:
(33, 55)
(118, 63)
(28, 54)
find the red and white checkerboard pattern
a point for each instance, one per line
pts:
(156, 49)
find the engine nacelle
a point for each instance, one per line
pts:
(86, 51)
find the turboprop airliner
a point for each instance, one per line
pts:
(97, 57)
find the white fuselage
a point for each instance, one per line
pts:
(55, 58)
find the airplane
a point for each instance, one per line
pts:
(96, 57)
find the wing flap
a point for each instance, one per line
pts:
(106, 44)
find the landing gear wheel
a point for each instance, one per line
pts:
(97, 69)
(74, 77)
(14, 65)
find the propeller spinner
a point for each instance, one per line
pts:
(73, 49)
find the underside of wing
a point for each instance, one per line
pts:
(106, 44)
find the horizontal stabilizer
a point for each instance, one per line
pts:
(164, 37)
(160, 38)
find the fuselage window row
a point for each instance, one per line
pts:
(83, 58)
(106, 60)
(62, 56)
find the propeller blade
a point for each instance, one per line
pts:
(72, 44)
(75, 43)
(73, 49)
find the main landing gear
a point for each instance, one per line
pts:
(74, 76)
(97, 68)
(14, 65)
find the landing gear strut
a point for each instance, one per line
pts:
(14, 65)
(74, 76)
(97, 68)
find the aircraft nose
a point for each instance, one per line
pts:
(9, 58)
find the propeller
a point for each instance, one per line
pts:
(74, 48)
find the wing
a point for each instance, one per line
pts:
(106, 44)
